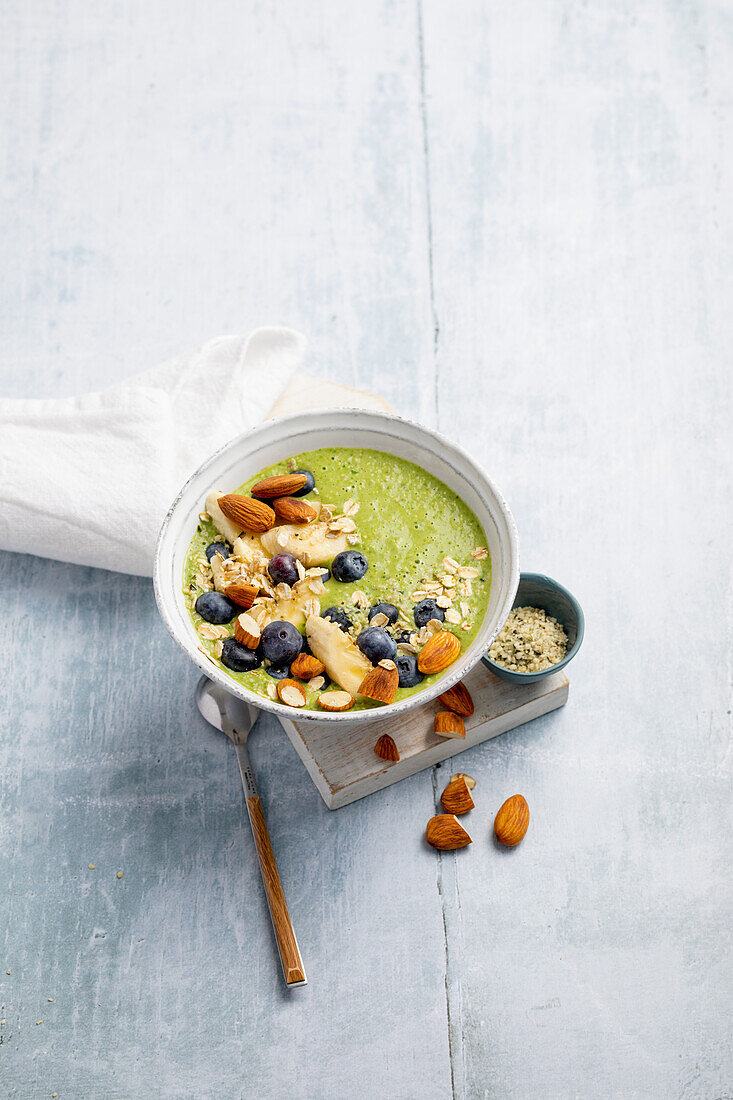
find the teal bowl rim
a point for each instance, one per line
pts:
(529, 677)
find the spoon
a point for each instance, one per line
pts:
(236, 718)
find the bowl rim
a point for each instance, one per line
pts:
(534, 676)
(206, 665)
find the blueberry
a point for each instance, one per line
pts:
(336, 615)
(282, 569)
(219, 548)
(325, 573)
(216, 608)
(238, 658)
(387, 609)
(309, 486)
(278, 673)
(376, 644)
(410, 675)
(280, 643)
(427, 610)
(349, 565)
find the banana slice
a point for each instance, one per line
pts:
(289, 611)
(217, 572)
(224, 526)
(345, 664)
(248, 547)
(308, 544)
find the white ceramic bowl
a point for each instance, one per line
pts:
(278, 439)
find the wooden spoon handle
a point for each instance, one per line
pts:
(292, 963)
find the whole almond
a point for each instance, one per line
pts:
(439, 652)
(336, 700)
(305, 667)
(282, 485)
(448, 724)
(458, 699)
(386, 749)
(291, 693)
(456, 798)
(247, 630)
(381, 683)
(292, 510)
(242, 594)
(512, 821)
(445, 832)
(247, 513)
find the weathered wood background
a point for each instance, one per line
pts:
(514, 221)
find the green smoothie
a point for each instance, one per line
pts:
(419, 539)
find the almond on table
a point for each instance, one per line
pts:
(444, 831)
(512, 821)
(456, 798)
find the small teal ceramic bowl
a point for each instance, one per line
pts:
(537, 590)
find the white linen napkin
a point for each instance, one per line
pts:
(89, 479)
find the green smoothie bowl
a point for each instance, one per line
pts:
(336, 563)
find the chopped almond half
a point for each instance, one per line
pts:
(386, 749)
(440, 651)
(456, 798)
(305, 667)
(448, 724)
(458, 699)
(291, 693)
(244, 595)
(470, 781)
(336, 700)
(247, 631)
(445, 832)
(381, 683)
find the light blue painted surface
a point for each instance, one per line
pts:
(514, 222)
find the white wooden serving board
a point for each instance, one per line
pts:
(342, 763)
